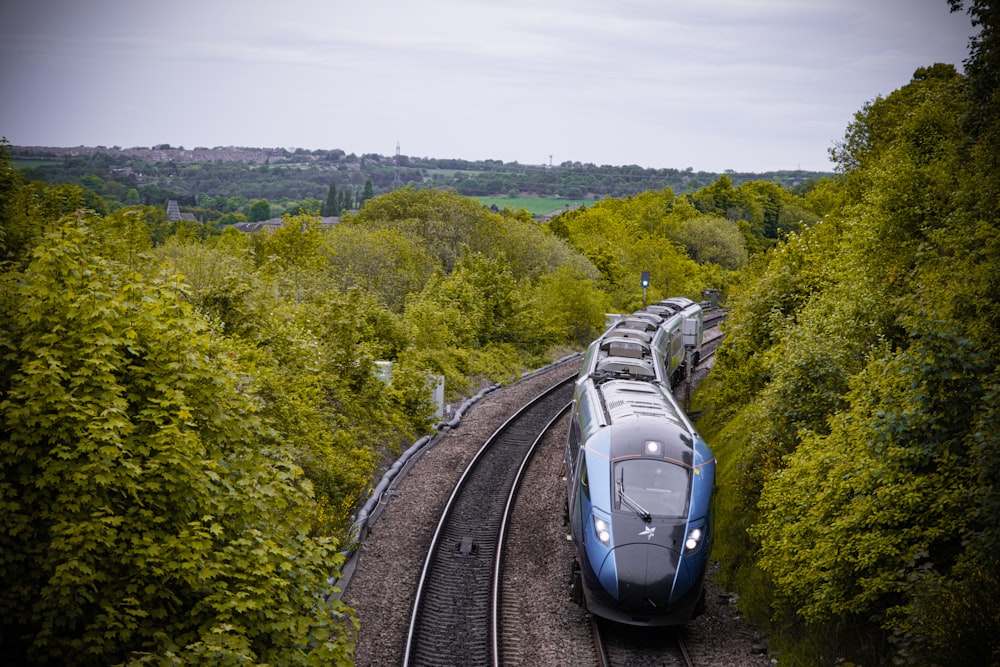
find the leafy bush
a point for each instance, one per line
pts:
(150, 514)
(856, 393)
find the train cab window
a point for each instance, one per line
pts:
(652, 486)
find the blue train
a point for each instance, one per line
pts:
(640, 479)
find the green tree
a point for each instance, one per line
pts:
(880, 499)
(713, 239)
(331, 207)
(150, 516)
(346, 200)
(857, 385)
(259, 210)
(20, 218)
(313, 341)
(566, 305)
(385, 262)
(232, 219)
(622, 238)
(444, 221)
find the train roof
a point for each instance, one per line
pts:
(642, 413)
(622, 346)
(634, 334)
(664, 310)
(677, 304)
(613, 356)
(647, 323)
(629, 400)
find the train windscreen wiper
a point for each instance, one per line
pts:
(632, 504)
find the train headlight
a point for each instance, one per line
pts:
(694, 540)
(602, 530)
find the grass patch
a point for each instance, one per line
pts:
(535, 205)
(31, 164)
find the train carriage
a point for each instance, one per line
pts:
(640, 482)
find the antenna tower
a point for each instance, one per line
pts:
(395, 178)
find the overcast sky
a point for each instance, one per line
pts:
(748, 85)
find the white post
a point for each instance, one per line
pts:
(437, 394)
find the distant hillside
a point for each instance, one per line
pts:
(164, 172)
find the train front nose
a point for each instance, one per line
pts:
(645, 577)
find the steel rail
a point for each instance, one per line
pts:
(599, 648)
(435, 549)
(682, 645)
(502, 537)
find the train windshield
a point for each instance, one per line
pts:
(655, 486)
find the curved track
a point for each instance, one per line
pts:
(452, 620)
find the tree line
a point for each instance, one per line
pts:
(853, 404)
(213, 186)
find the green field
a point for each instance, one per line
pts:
(535, 205)
(29, 164)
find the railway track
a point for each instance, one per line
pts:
(709, 347)
(714, 318)
(623, 646)
(453, 618)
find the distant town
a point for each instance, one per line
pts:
(295, 174)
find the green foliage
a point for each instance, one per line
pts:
(312, 349)
(232, 219)
(444, 222)
(124, 236)
(446, 225)
(687, 243)
(150, 514)
(229, 174)
(331, 207)
(566, 306)
(258, 211)
(855, 399)
(710, 239)
(20, 220)
(856, 516)
(464, 318)
(387, 262)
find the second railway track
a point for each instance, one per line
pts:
(452, 620)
